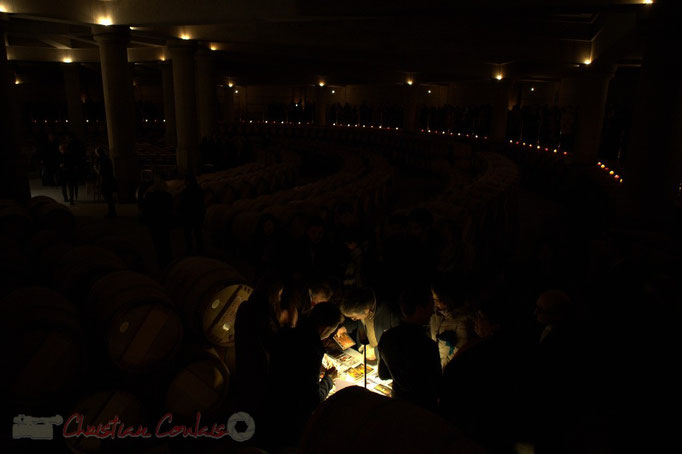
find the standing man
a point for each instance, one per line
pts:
(105, 178)
(295, 388)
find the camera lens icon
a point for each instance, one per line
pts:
(247, 420)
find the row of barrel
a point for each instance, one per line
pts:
(361, 184)
(246, 181)
(482, 211)
(420, 151)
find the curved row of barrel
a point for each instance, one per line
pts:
(246, 181)
(361, 183)
(414, 150)
(484, 211)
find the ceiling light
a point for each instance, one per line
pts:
(67, 60)
(498, 77)
(104, 20)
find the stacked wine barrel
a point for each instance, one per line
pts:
(46, 346)
(246, 181)
(136, 315)
(478, 201)
(208, 293)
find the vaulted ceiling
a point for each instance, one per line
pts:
(297, 41)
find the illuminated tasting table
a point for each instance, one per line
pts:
(350, 366)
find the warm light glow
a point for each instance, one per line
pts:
(104, 20)
(67, 60)
(230, 84)
(184, 36)
(617, 177)
(410, 81)
(621, 180)
(213, 47)
(333, 91)
(498, 77)
(587, 61)
(599, 163)
(611, 172)
(163, 58)
(603, 166)
(532, 88)
(648, 2)
(236, 91)
(321, 83)
(3, 9)
(429, 92)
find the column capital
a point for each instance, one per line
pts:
(112, 34)
(69, 67)
(596, 71)
(177, 43)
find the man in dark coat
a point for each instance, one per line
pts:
(106, 179)
(191, 210)
(479, 390)
(410, 357)
(295, 388)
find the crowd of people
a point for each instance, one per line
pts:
(455, 351)
(65, 162)
(465, 345)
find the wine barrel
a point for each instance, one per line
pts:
(124, 248)
(14, 221)
(80, 267)
(208, 293)
(200, 385)
(100, 408)
(47, 213)
(47, 354)
(412, 428)
(14, 267)
(143, 331)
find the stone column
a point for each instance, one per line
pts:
(119, 106)
(321, 105)
(410, 108)
(13, 176)
(168, 103)
(206, 89)
(498, 127)
(187, 154)
(593, 86)
(72, 88)
(653, 165)
(228, 105)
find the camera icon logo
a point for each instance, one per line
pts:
(35, 428)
